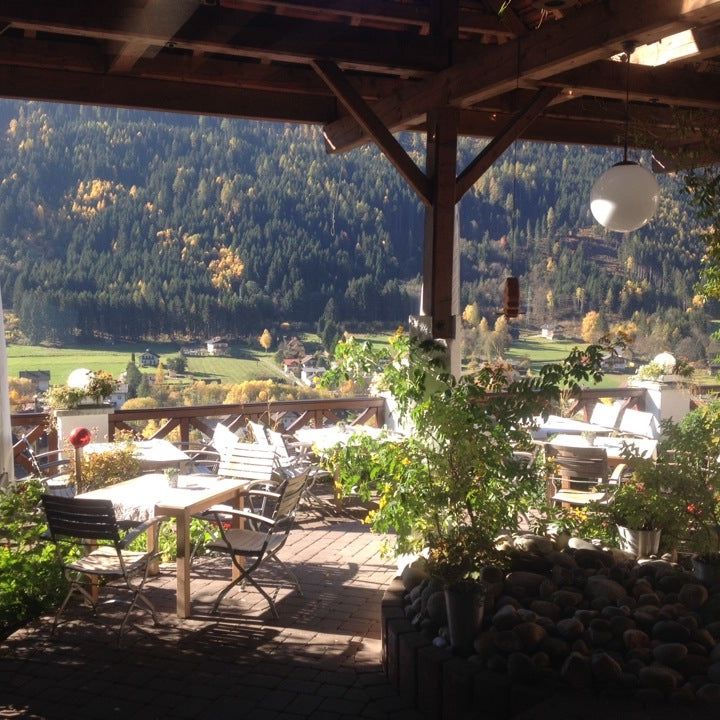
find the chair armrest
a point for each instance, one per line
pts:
(261, 493)
(244, 514)
(619, 471)
(140, 529)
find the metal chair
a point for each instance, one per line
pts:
(262, 540)
(583, 475)
(84, 521)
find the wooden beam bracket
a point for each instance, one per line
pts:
(369, 121)
(502, 141)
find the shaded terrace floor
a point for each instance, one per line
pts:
(321, 660)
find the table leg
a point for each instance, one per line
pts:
(237, 502)
(183, 566)
(153, 534)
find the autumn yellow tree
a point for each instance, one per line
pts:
(471, 314)
(266, 340)
(593, 326)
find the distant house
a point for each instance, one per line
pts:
(216, 346)
(292, 366)
(149, 359)
(309, 370)
(547, 332)
(39, 378)
(120, 395)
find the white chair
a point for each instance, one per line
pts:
(607, 416)
(259, 432)
(636, 422)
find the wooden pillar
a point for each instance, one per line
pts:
(440, 258)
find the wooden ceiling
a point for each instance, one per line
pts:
(290, 60)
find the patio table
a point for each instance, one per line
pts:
(614, 446)
(327, 437)
(150, 495)
(557, 424)
(154, 454)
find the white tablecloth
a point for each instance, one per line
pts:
(614, 445)
(556, 424)
(327, 437)
(155, 452)
(136, 499)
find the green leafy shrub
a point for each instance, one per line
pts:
(31, 580)
(455, 482)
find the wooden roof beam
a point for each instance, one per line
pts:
(502, 141)
(593, 32)
(486, 124)
(169, 15)
(360, 110)
(214, 30)
(668, 84)
(132, 92)
(471, 20)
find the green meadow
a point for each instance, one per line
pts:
(243, 364)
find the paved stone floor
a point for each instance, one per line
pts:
(321, 660)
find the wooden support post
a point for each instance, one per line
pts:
(439, 248)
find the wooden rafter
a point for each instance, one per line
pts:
(502, 141)
(360, 110)
(592, 33)
(416, 15)
(214, 30)
(133, 92)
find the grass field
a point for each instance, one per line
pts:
(244, 364)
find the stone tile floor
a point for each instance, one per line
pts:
(321, 660)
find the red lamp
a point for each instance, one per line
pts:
(79, 438)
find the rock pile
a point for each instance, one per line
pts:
(589, 619)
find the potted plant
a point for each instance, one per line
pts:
(690, 449)
(641, 508)
(456, 482)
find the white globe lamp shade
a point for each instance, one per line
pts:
(625, 197)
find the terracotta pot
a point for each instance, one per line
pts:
(639, 542)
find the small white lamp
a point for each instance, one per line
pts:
(626, 196)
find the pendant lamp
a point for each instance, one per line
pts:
(625, 197)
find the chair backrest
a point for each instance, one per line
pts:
(290, 498)
(277, 441)
(588, 464)
(259, 432)
(607, 416)
(80, 518)
(636, 422)
(249, 461)
(223, 439)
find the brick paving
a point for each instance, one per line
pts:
(321, 660)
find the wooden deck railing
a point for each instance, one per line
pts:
(194, 422)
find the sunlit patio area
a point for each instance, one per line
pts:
(320, 660)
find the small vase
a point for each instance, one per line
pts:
(641, 543)
(465, 606)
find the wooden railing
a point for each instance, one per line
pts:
(587, 399)
(288, 415)
(194, 422)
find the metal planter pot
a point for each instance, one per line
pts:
(641, 543)
(707, 573)
(465, 608)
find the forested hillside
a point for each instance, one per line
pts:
(134, 224)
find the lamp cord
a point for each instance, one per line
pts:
(627, 104)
